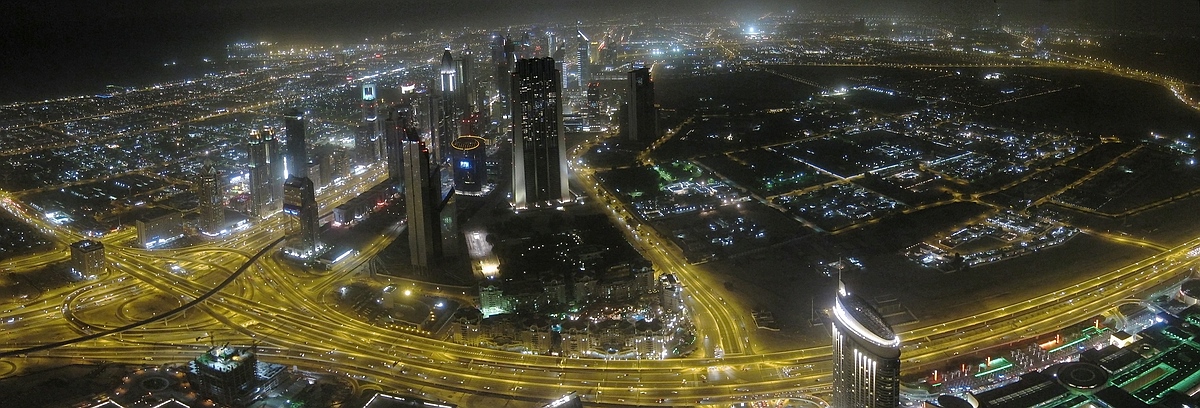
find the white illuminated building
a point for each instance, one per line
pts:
(866, 356)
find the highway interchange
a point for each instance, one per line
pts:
(291, 314)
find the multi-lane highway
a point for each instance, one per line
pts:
(136, 314)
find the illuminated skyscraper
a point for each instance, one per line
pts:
(398, 128)
(504, 69)
(260, 175)
(212, 203)
(449, 97)
(584, 58)
(276, 165)
(366, 142)
(641, 116)
(297, 159)
(300, 201)
(539, 153)
(421, 202)
(369, 105)
(866, 356)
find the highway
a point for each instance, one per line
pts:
(135, 313)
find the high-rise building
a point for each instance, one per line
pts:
(399, 127)
(297, 149)
(421, 187)
(299, 200)
(369, 105)
(87, 258)
(260, 175)
(584, 60)
(539, 151)
(233, 377)
(592, 109)
(504, 69)
(275, 163)
(641, 116)
(866, 356)
(366, 141)
(225, 375)
(470, 169)
(448, 106)
(212, 202)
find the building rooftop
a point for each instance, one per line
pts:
(856, 314)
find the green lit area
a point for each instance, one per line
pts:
(996, 365)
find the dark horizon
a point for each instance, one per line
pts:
(60, 48)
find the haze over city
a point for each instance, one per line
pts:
(830, 204)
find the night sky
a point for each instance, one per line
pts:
(57, 47)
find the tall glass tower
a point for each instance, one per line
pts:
(539, 152)
(297, 160)
(866, 356)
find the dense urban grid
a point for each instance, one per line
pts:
(794, 210)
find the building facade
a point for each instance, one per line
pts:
(212, 201)
(87, 258)
(866, 356)
(539, 151)
(297, 148)
(299, 201)
(640, 112)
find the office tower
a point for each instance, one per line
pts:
(260, 175)
(584, 58)
(866, 356)
(470, 171)
(300, 201)
(641, 116)
(366, 144)
(87, 258)
(297, 158)
(275, 163)
(593, 105)
(212, 203)
(539, 153)
(446, 129)
(333, 163)
(225, 374)
(369, 105)
(421, 187)
(465, 94)
(504, 69)
(398, 128)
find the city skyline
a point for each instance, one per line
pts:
(842, 206)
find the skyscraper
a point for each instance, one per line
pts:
(300, 201)
(369, 105)
(366, 144)
(398, 128)
(297, 159)
(866, 356)
(276, 165)
(421, 201)
(504, 68)
(212, 203)
(584, 58)
(640, 113)
(449, 96)
(260, 175)
(539, 153)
